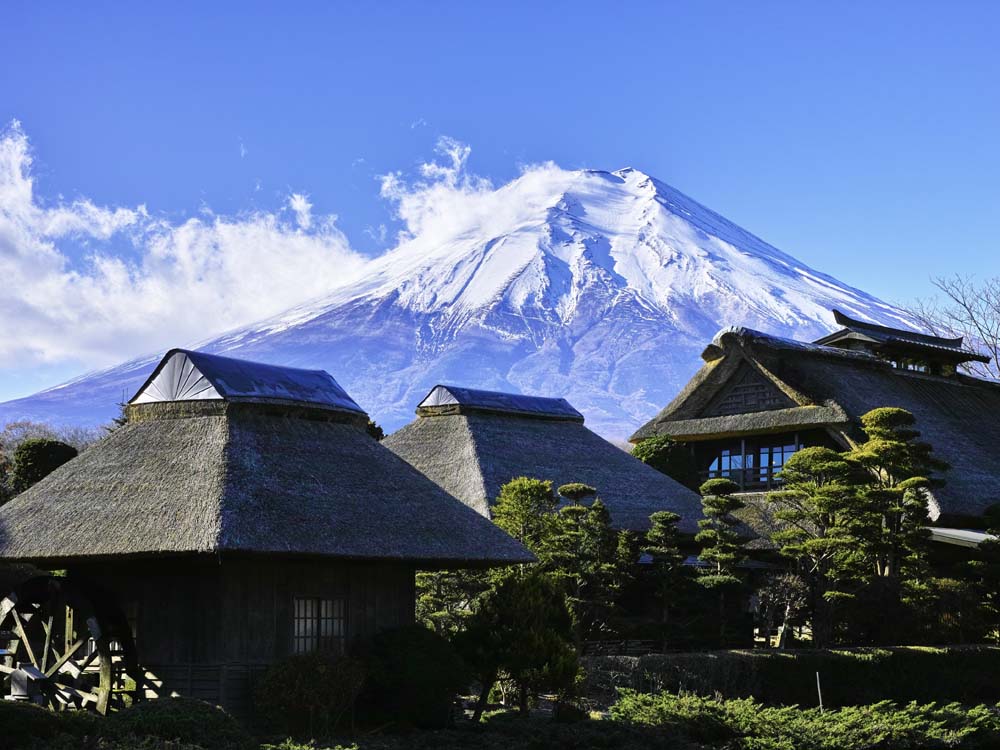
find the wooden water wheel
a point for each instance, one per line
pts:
(68, 638)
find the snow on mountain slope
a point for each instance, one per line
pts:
(600, 287)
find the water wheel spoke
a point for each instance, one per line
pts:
(47, 627)
(65, 658)
(82, 695)
(19, 629)
(7, 670)
(6, 605)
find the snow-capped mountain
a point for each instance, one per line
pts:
(599, 287)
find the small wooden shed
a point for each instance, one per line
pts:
(242, 514)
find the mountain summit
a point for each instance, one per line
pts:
(601, 287)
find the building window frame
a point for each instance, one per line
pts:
(319, 623)
(752, 463)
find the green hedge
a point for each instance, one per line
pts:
(849, 677)
(749, 725)
(182, 720)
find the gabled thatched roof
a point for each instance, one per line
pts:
(227, 477)
(471, 451)
(958, 415)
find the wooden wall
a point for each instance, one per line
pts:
(207, 628)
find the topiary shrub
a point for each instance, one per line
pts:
(309, 694)
(184, 720)
(413, 677)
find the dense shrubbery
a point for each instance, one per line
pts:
(308, 694)
(848, 677)
(165, 724)
(748, 724)
(22, 724)
(413, 678)
(184, 720)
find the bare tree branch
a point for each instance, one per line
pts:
(966, 308)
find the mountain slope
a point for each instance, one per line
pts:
(600, 287)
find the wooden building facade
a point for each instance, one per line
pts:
(759, 398)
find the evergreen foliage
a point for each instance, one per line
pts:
(721, 543)
(818, 508)
(36, 458)
(896, 471)
(525, 510)
(375, 430)
(582, 559)
(665, 572)
(576, 491)
(446, 597)
(306, 695)
(521, 629)
(413, 676)
(668, 457)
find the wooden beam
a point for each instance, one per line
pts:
(19, 629)
(64, 658)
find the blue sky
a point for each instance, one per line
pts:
(859, 137)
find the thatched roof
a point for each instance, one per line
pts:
(247, 475)
(472, 450)
(958, 415)
(184, 375)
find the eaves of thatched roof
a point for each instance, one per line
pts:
(958, 415)
(473, 452)
(220, 477)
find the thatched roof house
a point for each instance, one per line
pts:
(758, 398)
(242, 514)
(472, 442)
(225, 456)
(222, 456)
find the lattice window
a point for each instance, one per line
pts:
(747, 394)
(318, 625)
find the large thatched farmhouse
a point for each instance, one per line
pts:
(242, 514)
(472, 442)
(759, 398)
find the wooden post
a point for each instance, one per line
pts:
(819, 692)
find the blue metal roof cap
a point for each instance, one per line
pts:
(497, 401)
(185, 375)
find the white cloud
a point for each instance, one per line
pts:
(148, 282)
(302, 209)
(449, 200)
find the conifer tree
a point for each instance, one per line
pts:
(525, 510)
(445, 598)
(816, 508)
(582, 557)
(722, 546)
(521, 629)
(897, 472)
(663, 547)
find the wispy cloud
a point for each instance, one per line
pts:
(448, 199)
(302, 209)
(146, 282)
